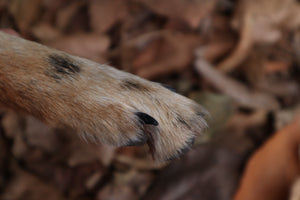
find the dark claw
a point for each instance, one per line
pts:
(146, 119)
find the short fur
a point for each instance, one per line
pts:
(102, 103)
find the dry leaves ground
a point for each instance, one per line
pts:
(239, 58)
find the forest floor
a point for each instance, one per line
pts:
(239, 59)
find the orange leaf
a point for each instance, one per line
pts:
(273, 168)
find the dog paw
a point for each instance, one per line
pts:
(132, 111)
(102, 103)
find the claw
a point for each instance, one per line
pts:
(146, 119)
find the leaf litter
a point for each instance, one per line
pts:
(240, 58)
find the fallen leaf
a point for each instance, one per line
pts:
(82, 153)
(160, 53)
(105, 13)
(192, 12)
(295, 191)
(214, 51)
(39, 135)
(28, 187)
(66, 14)
(236, 90)
(91, 46)
(271, 171)
(44, 32)
(276, 66)
(260, 22)
(25, 13)
(112, 192)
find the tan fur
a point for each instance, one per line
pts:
(98, 101)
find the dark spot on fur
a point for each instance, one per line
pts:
(133, 85)
(191, 141)
(201, 114)
(61, 65)
(55, 76)
(184, 150)
(146, 119)
(182, 121)
(168, 87)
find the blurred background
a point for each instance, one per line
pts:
(238, 58)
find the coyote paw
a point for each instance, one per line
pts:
(123, 110)
(102, 103)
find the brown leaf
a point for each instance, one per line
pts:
(260, 22)
(191, 12)
(28, 187)
(90, 46)
(81, 153)
(105, 13)
(236, 90)
(295, 192)
(273, 168)
(112, 192)
(162, 52)
(66, 15)
(44, 32)
(126, 185)
(25, 12)
(215, 50)
(39, 135)
(276, 66)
